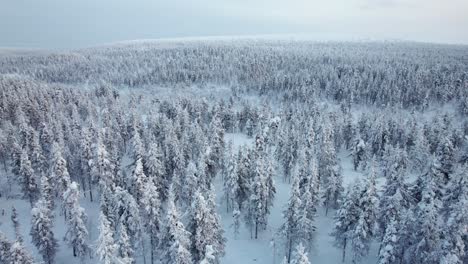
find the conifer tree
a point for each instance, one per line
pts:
(125, 247)
(103, 169)
(125, 211)
(262, 193)
(231, 183)
(300, 255)
(454, 245)
(425, 226)
(77, 233)
(47, 192)
(106, 249)
(16, 225)
(290, 229)
(243, 176)
(209, 256)
(347, 217)
(446, 155)
(219, 243)
(364, 230)
(42, 233)
(358, 152)
(151, 211)
(60, 176)
(38, 160)
(217, 145)
(389, 252)
(86, 162)
(175, 241)
(190, 184)
(330, 170)
(27, 179)
(5, 247)
(236, 214)
(18, 255)
(395, 198)
(138, 180)
(205, 229)
(420, 152)
(154, 168)
(137, 145)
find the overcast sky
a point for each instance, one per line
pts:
(82, 23)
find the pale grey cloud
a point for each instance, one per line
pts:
(79, 23)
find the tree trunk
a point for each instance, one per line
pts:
(83, 186)
(227, 203)
(152, 249)
(5, 165)
(326, 204)
(344, 250)
(256, 229)
(143, 250)
(90, 190)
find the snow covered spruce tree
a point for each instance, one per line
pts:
(231, 183)
(395, 198)
(138, 180)
(347, 217)
(60, 176)
(205, 229)
(364, 231)
(244, 177)
(103, 169)
(77, 233)
(125, 249)
(300, 256)
(425, 226)
(174, 239)
(106, 249)
(217, 145)
(41, 231)
(154, 168)
(454, 244)
(236, 222)
(126, 212)
(28, 179)
(420, 152)
(16, 224)
(309, 185)
(5, 246)
(151, 210)
(329, 170)
(290, 230)
(190, 183)
(209, 256)
(13, 252)
(86, 162)
(390, 252)
(309, 204)
(287, 152)
(262, 192)
(359, 154)
(19, 255)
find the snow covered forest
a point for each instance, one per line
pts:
(235, 151)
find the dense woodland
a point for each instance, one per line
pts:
(91, 125)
